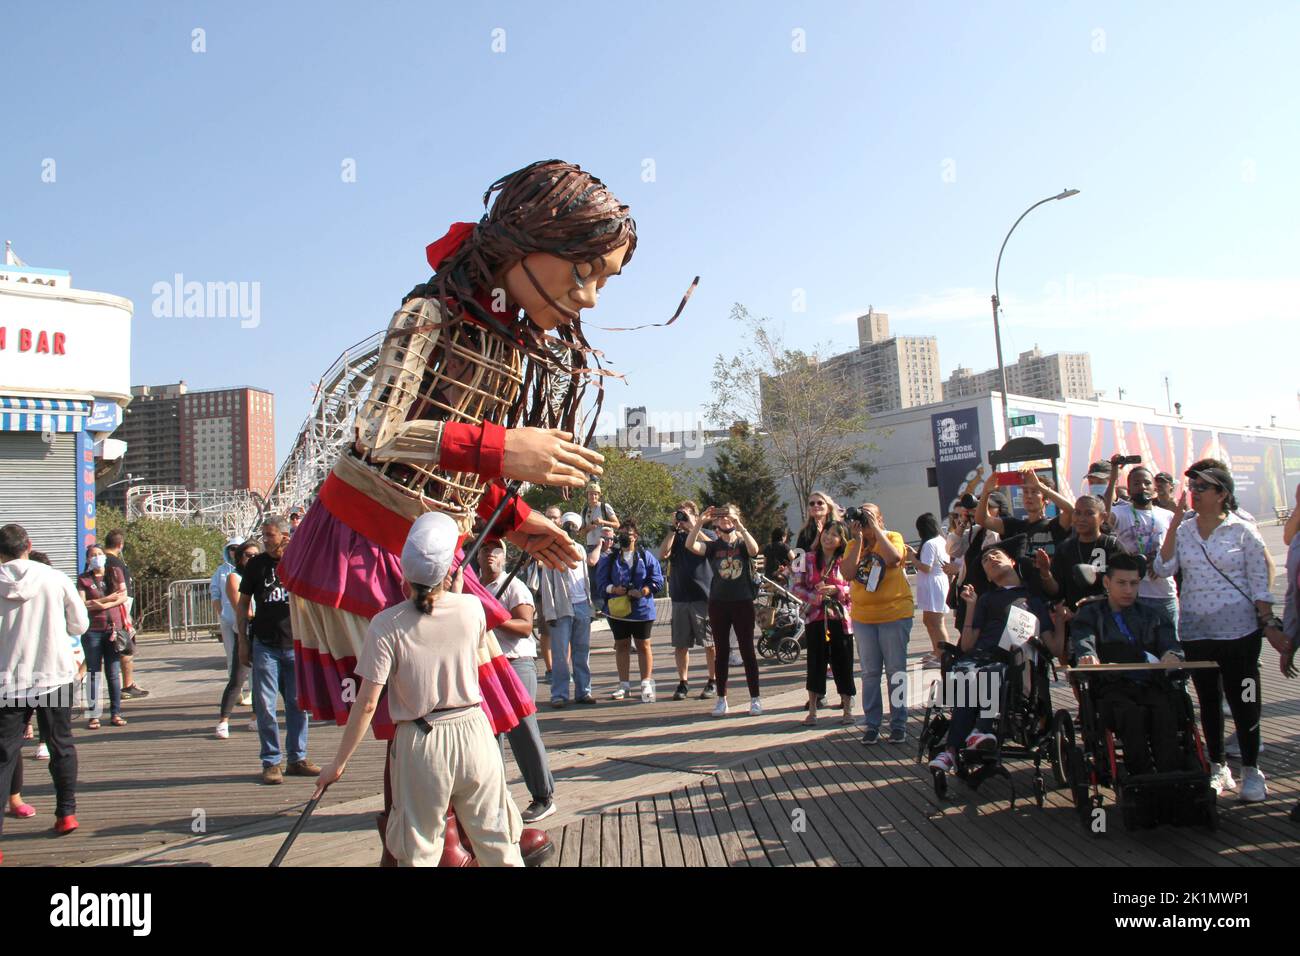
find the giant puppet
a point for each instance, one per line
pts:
(480, 379)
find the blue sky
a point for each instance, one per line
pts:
(881, 166)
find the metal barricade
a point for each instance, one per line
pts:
(190, 616)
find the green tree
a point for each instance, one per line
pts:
(810, 414)
(742, 474)
(645, 491)
(163, 550)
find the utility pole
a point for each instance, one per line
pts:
(1169, 405)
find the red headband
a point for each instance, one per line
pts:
(440, 250)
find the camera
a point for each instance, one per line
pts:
(1130, 460)
(624, 540)
(682, 516)
(854, 514)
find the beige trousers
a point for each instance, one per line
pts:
(459, 764)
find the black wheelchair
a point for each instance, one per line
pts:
(1181, 797)
(1026, 728)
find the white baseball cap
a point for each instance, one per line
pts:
(571, 518)
(429, 549)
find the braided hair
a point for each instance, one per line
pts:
(548, 207)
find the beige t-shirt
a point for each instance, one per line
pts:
(429, 661)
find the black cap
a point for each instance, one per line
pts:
(1165, 477)
(1014, 546)
(1215, 476)
(1100, 469)
(968, 501)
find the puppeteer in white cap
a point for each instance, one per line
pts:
(427, 651)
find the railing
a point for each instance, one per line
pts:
(190, 615)
(150, 609)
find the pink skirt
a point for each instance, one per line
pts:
(341, 576)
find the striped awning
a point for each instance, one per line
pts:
(41, 414)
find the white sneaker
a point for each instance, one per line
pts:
(755, 707)
(621, 692)
(647, 692)
(246, 699)
(1253, 789)
(720, 708)
(1221, 778)
(42, 752)
(223, 730)
(736, 660)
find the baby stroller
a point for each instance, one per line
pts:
(780, 616)
(1026, 728)
(1181, 797)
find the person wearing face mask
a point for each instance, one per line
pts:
(629, 578)
(225, 582)
(1141, 525)
(1225, 610)
(104, 600)
(1097, 479)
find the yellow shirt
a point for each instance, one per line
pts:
(892, 598)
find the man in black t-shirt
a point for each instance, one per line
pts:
(1039, 530)
(267, 646)
(689, 577)
(1086, 545)
(115, 569)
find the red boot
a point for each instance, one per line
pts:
(456, 849)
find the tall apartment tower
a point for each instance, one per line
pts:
(889, 372)
(228, 439)
(151, 429)
(1057, 377)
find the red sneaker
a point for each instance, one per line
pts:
(65, 824)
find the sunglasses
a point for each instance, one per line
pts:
(814, 503)
(1200, 487)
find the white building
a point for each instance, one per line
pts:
(65, 373)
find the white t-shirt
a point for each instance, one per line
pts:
(932, 588)
(589, 514)
(517, 593)
(1142, 532)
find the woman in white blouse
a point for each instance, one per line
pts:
(1224, 606)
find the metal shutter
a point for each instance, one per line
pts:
(38, 490)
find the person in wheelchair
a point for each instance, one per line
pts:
(1140, 707)
(1007, 615)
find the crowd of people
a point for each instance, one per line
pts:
(1111, 573)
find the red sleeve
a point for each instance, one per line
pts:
(479, 449)
(511, 518)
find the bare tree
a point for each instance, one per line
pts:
(812, 419)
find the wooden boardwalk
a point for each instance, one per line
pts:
(654, 785)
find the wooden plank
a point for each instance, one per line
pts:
(821, 818)
(609, 838)
(863, 838)
(590, 854)
(729, 831)
(669, 839)
(774, 850)
(784, 803)
(571, 845)
(629, 840)
(692, 848)
(714, 854)
(648, 828)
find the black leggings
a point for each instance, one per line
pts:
(723, 616)
(234, 683)
(54, 716)
(1238, 678)
(838, 651)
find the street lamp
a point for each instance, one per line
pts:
(997, 330)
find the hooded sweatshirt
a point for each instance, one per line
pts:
(41, 615)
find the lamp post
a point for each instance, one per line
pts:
(997, 329)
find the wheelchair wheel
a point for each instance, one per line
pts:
(787, 651)
(933, 730)
(1062, 742)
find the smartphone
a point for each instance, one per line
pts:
(1007, 478)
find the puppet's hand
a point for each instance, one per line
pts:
(544, 540)
(548, 456)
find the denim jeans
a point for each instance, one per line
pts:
(273, 671)
(526, 738)
(571, 637)
(884, 647)
(101, 655)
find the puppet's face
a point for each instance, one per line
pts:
(571, 286)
